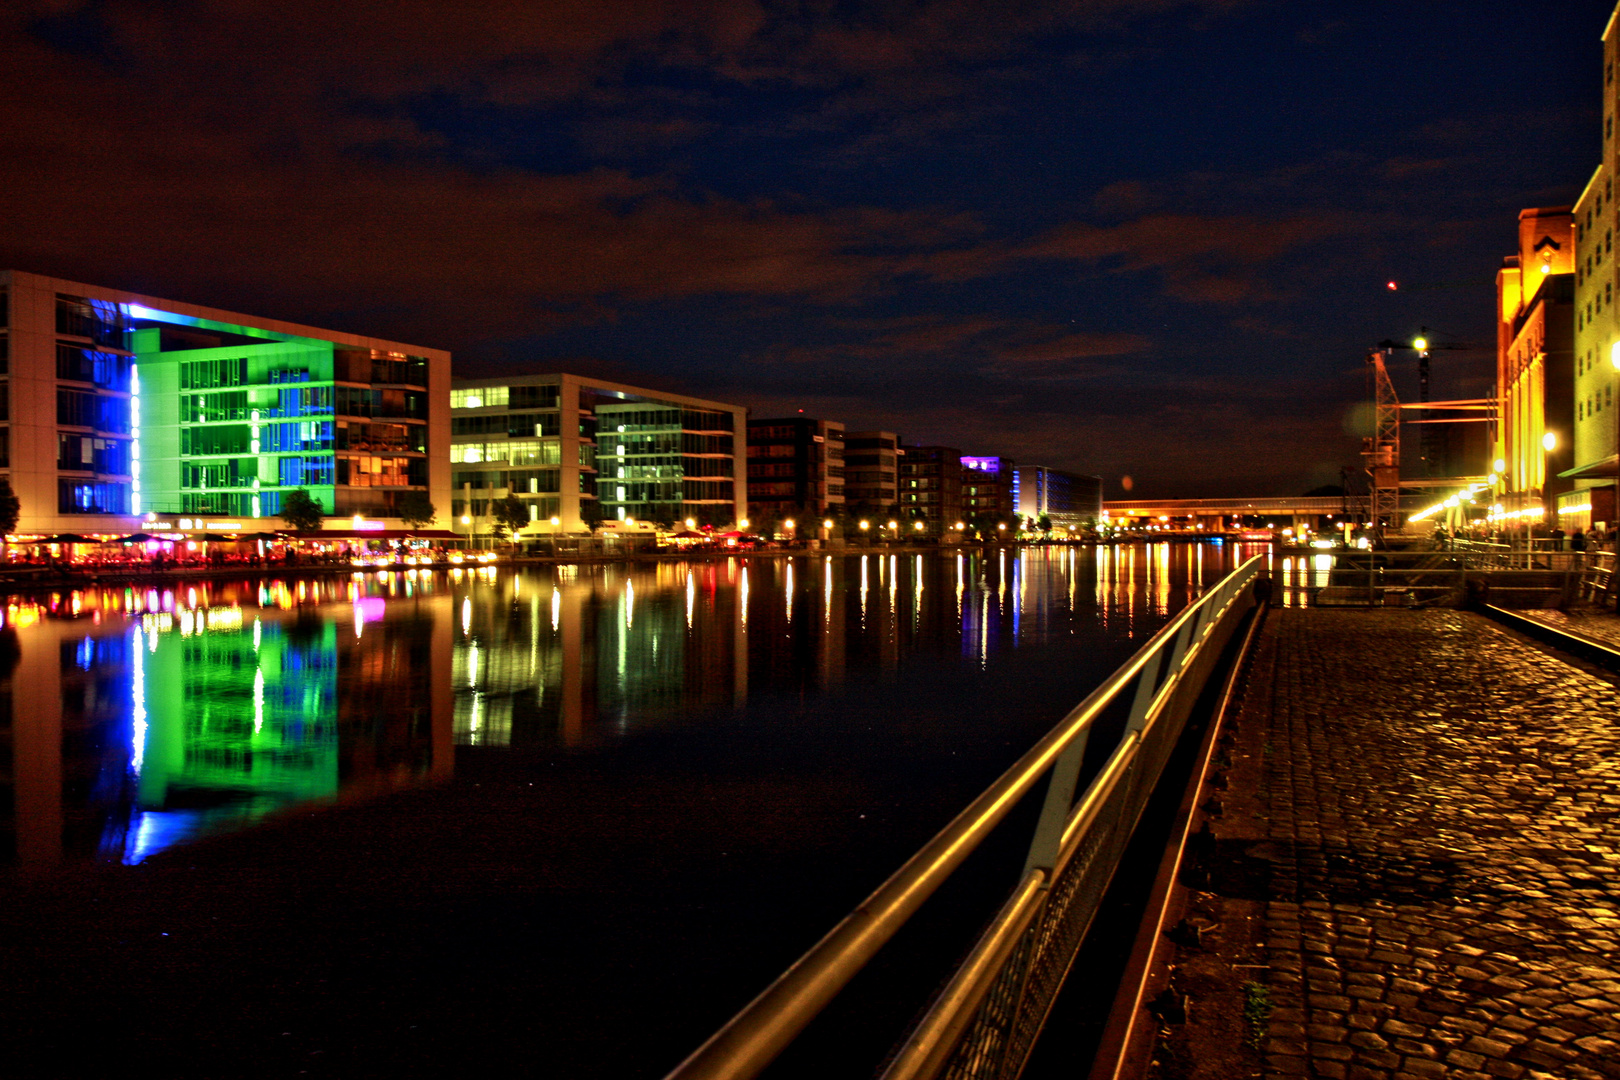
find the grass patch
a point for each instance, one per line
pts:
(1256, 1011)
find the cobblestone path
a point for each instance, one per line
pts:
(1443, 849)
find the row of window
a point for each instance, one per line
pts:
(526, 452)
(86, 453)
(1604, 399)
(83, 408)
(545, 396)
(110, 371)
(517, 425)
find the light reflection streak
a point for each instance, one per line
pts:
(691, 598)
(788, 590)
(556, 608)
(138, 696)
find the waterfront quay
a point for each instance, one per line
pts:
(1415, 868)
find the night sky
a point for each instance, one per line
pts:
(1130, 237)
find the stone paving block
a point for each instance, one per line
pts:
(1445, 892)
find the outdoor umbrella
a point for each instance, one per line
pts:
(70, 538)
(136, 538)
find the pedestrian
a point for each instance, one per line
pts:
(1577, 540)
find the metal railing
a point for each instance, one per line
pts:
(984, 1023)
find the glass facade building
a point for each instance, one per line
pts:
(169, 409)
(581, 451)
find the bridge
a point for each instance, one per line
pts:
(1211, 513)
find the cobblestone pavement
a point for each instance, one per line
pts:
(1603, 626)
(1443, 850)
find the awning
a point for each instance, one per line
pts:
(1602, 467)
(375, 534)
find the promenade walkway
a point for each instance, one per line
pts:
(1417, 867)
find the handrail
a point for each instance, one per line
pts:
(764, 1027)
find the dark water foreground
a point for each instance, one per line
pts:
(565, 821)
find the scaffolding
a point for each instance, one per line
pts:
(1381, 453)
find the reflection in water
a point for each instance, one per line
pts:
(141, 720)
(697, 641)
(136, 720)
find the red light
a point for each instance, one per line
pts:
(1392, 286)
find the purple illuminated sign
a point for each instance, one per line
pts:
(982, 464)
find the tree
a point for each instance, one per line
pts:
(1044, 523)
(301, 511)
(10, 508)
(416, 510)
(510, 515)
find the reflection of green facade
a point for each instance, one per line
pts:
(233, 715)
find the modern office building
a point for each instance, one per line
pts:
(989, 487)
(1535, 367)
(795, 466)
(931, 485)
(582, 450)
(1068, 499)
(117, 407)
(870, 469)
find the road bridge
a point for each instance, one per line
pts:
(1212, 514)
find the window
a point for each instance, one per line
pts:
(545, 396)
(90, 497)
(478, 397)
(206, 374)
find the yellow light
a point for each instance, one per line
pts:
(865, 525)
(1420, 343)
(1549, 442)
(788, 524)
(1499, 465)
(1002, 525)
(918, 526)
(742, 523)
(1492, 479)
(1546, 268)
(465, 520)
(691, 523)
(1614, 354)
(827, 524)
(556, 521)
(960, 526)
(628, 520)
(894, 524)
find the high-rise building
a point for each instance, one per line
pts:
(870, 469)
(1069, 500)
(989, 487)
(931, 485)
(582, 450)
(795, 466)
(116, 407)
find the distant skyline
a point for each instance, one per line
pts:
(1126, 237)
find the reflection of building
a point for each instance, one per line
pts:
(870, 469)
(129, 738)
(931, 485)
(1534, 363)
(795, 466)
(1068, 499)
(989, 487)
(582, 450)
(121, 405)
